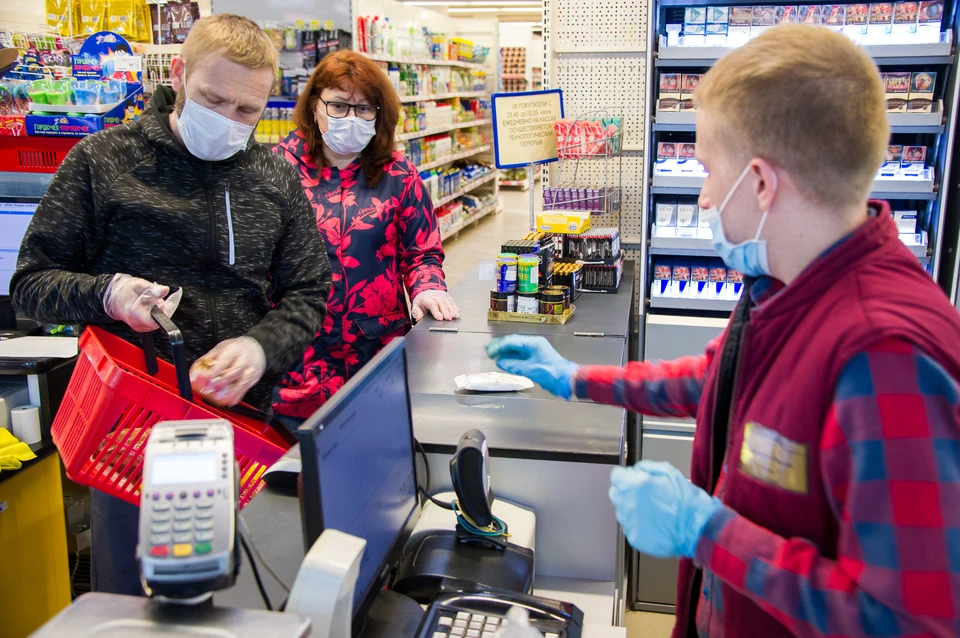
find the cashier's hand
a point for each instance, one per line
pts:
(225, 374)
(130, 300)
(662, 513)
(438, 303)
(534, 358)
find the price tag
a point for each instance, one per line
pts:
(488, 272)
(314, 25)
(328, 25)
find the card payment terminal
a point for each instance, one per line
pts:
(188, 509)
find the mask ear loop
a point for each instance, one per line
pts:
(763, 218)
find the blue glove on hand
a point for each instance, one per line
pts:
(662, 513)
(534, 358)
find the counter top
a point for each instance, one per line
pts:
(43, 449)
(596, 312)
(529, 424)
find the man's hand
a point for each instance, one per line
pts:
(225, 374)
(437, 303)
(534, 358)
(130, 300)
(662, 513)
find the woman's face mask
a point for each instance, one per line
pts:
(350, 125)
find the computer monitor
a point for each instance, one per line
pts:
(359, 472)
(15, 216)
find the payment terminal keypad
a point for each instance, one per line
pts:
(181, 525)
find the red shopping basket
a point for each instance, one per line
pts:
(118, 392)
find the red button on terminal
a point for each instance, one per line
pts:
(159, 550)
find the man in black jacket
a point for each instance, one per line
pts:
(183, 198)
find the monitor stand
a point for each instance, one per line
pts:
(325, 584)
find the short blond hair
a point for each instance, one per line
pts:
(807, 99)
(236, 38)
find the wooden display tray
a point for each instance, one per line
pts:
(517, 317)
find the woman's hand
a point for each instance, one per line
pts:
(437, 303)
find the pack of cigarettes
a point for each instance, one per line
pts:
(699, 275)
(905, 21)
(787, 14)
(687, 158)
(669, 97)
(880, 26)
(695, 26)
(667, 153)
(681, 276)
(688, 85)
(718, 276)
(810, 14)
(929, 21)
(734, 282)
(914, 160)
(897, 91)
(662, 274)
(739, 31)
(906, 222)
(891, 162)
(718, 15)
(717, 34)
(687, 214)
(834, 16)
(922, 85)
(855, 22)
(666, 215)
(764, 17)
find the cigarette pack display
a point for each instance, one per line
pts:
(673, 34)
(881, 22)
(687, 212)
(670, 85)
(717, 35)
(666, 213)
(699, 275)
(891, 162)
(810, 14)
(834, 16)
(593, 245)
(695, 15)
(929, 21)
(734, 282)
(687, 155)
(914, 159)
(740, 20)
(718, 275)
(897, 89)
(702, 220)
(855, 22)
(905, 21)
(906, 221)
(695, 35)
(666, 151)
(922, 85)
(681, 275)
(662, 274)
(689, 84)
(718, 15)
(787, 14)
(764, 17)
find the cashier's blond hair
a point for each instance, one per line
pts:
(808, 100)
(236, 38)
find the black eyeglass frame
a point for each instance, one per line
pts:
(326, 109)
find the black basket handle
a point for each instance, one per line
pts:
(183, 374)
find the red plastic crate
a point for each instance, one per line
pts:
(26, 154)
(112, 403)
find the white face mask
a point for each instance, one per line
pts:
(207, 134)
(348, 135)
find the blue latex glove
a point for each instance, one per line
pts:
(662, 513)
(534, 358)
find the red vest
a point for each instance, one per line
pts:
(796, 344)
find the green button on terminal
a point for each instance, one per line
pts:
(202, 548)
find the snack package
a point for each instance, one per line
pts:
(810, 14)
(666, 216)
(787, 14)
(834, 16)
(59, 16)
(880, 26)
(492, 382)
(121, 18)
(92, 14)
(929, 21)
(184, 14)
(922, 85)
(738, 32)
(764, 17)
(855, 25)
(897, 90)
(905, 21)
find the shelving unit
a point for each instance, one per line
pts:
(406, 99)
(466, 189)
(441, 129)
(523, 184)
(449, 159)
(457, 227)
(425, 61)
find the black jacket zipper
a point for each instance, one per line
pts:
(210, 260)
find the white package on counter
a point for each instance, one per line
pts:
(492, 382)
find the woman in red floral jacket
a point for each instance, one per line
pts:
(376, 219)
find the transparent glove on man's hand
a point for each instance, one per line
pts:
(662, 513)
(225, 374)
(130, 300)
(534, 358)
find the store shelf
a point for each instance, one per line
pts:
(453, 158)
(918, 246)
(441, 129)
(883, 54)
(456, 228)
(480, 181)
(692, 303)
(883, 188)
(678, 184)
(425, 61)
(522, 183)
(406, 99)
(513, 76)
(682, 246)
(917, 123)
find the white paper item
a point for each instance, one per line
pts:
(492, 382)
(38, 348)
(26, 423)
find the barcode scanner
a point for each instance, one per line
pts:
(470, 474)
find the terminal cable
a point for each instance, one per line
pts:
(256, 572)
(246, 532)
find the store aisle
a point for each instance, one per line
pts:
(483, 239)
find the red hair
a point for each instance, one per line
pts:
(352, 72)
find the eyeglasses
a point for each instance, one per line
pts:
(342, 109)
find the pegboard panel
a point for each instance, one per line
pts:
(592, 173)
(599, 25)
(616, 82)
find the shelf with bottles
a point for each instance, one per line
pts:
(892, 32)
(457, 215)
(519, 177)
(455, 181)
(378, 38)
(422, 119)
(453, 156)
(418, 82)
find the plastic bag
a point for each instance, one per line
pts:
(517, 625)
(492, 382)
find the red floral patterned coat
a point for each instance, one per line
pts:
(379, 240)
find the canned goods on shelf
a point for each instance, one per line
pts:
(528, 303)
(528, 274)
(507, 272)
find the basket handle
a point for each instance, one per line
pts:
(176, 345)
(252, 413)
